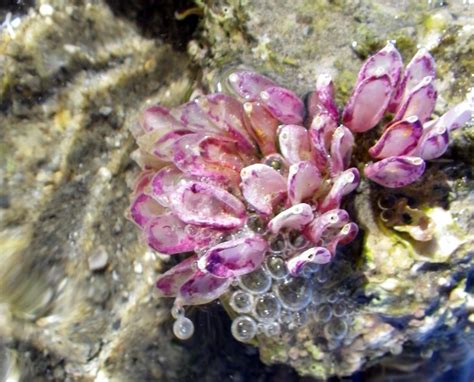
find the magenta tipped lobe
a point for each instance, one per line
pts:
(395, 172)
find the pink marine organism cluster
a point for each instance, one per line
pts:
(251, 181)
(410, 138)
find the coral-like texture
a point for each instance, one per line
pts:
(252, 181)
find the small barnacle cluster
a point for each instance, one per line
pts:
(250, 184)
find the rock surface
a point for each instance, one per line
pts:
(74, 75)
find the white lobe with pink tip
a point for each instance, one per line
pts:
(295, 217)
(368, 103)
(304, 179)
(262, 186)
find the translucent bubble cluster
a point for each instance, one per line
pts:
(271, 302)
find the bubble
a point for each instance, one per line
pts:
(267, 308)
(191, 230)
(386, 202)
(335, 329)
(285, 317)
(183, 328)
(241, 302)
(387, 215)
(300, 318)
(309, 269)
(322, 275)
(343, 291)
(256, 282)
(272, 329)
(323, 313)
(244, 328)
(274, 161)
(332, 297)
(294, 293)
(297, 240)
(177, 311)
(255, 223)
(317, 297)
(276, 266)
(278, 244)
(339, 309)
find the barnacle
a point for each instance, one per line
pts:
(252, 182)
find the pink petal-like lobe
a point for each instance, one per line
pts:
(433, 143)
(321, 101)
(228, 115)
(323, 227)
(421, 66)
(368, 103)
(193, 158)
(168, 234)
(144, 208)
(248, 85)
(195, 118)
(156, 117)
(398, 139)
(394, 172)
(221, 152)
(458, 116)
(207, 205)
(294, 143)
(168, 283)
(295, 217)
(163, 147)
(419, 102)
(202, 288)
(316, 255)
(283, 104)
(304, 179)
(341, 149)
(320, 136)
(386, 61)
(234, 258)
(343, 184)
(164, 183)
(263, 187)
(345, 236)
(263, 125)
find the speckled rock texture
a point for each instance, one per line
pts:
(76, 284)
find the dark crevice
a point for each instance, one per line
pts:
(15, 7)
(157, 19)
(217, 356)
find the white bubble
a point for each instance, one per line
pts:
(294, 293)
(276, 266)
(267, 308)
(335, 329)
(278, 244)
(177, 311)
(297, 241)
(272, 329)
(332, 297)
(299, 318)
(285, 317)
(183, 328)
(241, 302)
(256, 282)
(323, 313)
(339, 309)
(244, 328)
